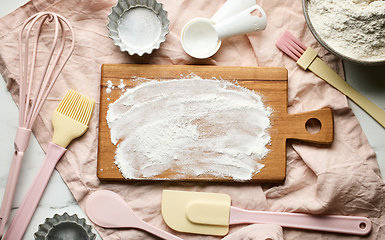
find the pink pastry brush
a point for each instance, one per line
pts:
(70, 120)
(307, 58)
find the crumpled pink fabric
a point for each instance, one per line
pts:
(339, 179)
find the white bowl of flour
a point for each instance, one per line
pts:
(353, 30)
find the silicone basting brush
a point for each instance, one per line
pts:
(70, 120)
(307, 58)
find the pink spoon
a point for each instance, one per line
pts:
(109, 210)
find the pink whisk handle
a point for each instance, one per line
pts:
(10, 189)
(328, 223)
(21, 143)
(25, 212)
(22, 139)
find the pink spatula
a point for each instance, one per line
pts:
(212, 213)
(109, 210)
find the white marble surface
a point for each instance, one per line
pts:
(57, 199)
(370, 82)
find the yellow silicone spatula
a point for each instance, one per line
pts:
(211, 214)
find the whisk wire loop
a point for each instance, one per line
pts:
(31, 104)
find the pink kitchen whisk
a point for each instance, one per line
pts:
(31, 97)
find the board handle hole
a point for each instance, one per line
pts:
(313, 125)
(362, 225)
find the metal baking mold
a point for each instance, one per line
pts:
(138, 26)
(64, 227)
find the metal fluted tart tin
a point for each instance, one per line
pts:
(331, 49)
(138, 26)
(64, 227)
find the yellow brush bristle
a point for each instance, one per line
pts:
(71, 118)
(77, 107)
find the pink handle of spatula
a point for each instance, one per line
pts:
(25, 212)
(328, 223)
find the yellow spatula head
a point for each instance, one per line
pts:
(196, 212)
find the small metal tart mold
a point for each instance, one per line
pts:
(138, 26)
(64, 227)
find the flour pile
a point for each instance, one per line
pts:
(193, 126)
(355, 28)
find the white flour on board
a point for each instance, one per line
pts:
(194, 125)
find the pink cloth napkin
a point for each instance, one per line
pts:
(340, 179)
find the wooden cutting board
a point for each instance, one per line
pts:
(269, 82)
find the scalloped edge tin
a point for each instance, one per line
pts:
(64, 224)
(118, 33)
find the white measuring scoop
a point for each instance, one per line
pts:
(202, 37)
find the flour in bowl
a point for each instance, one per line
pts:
(190, 126)
(355, 28)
